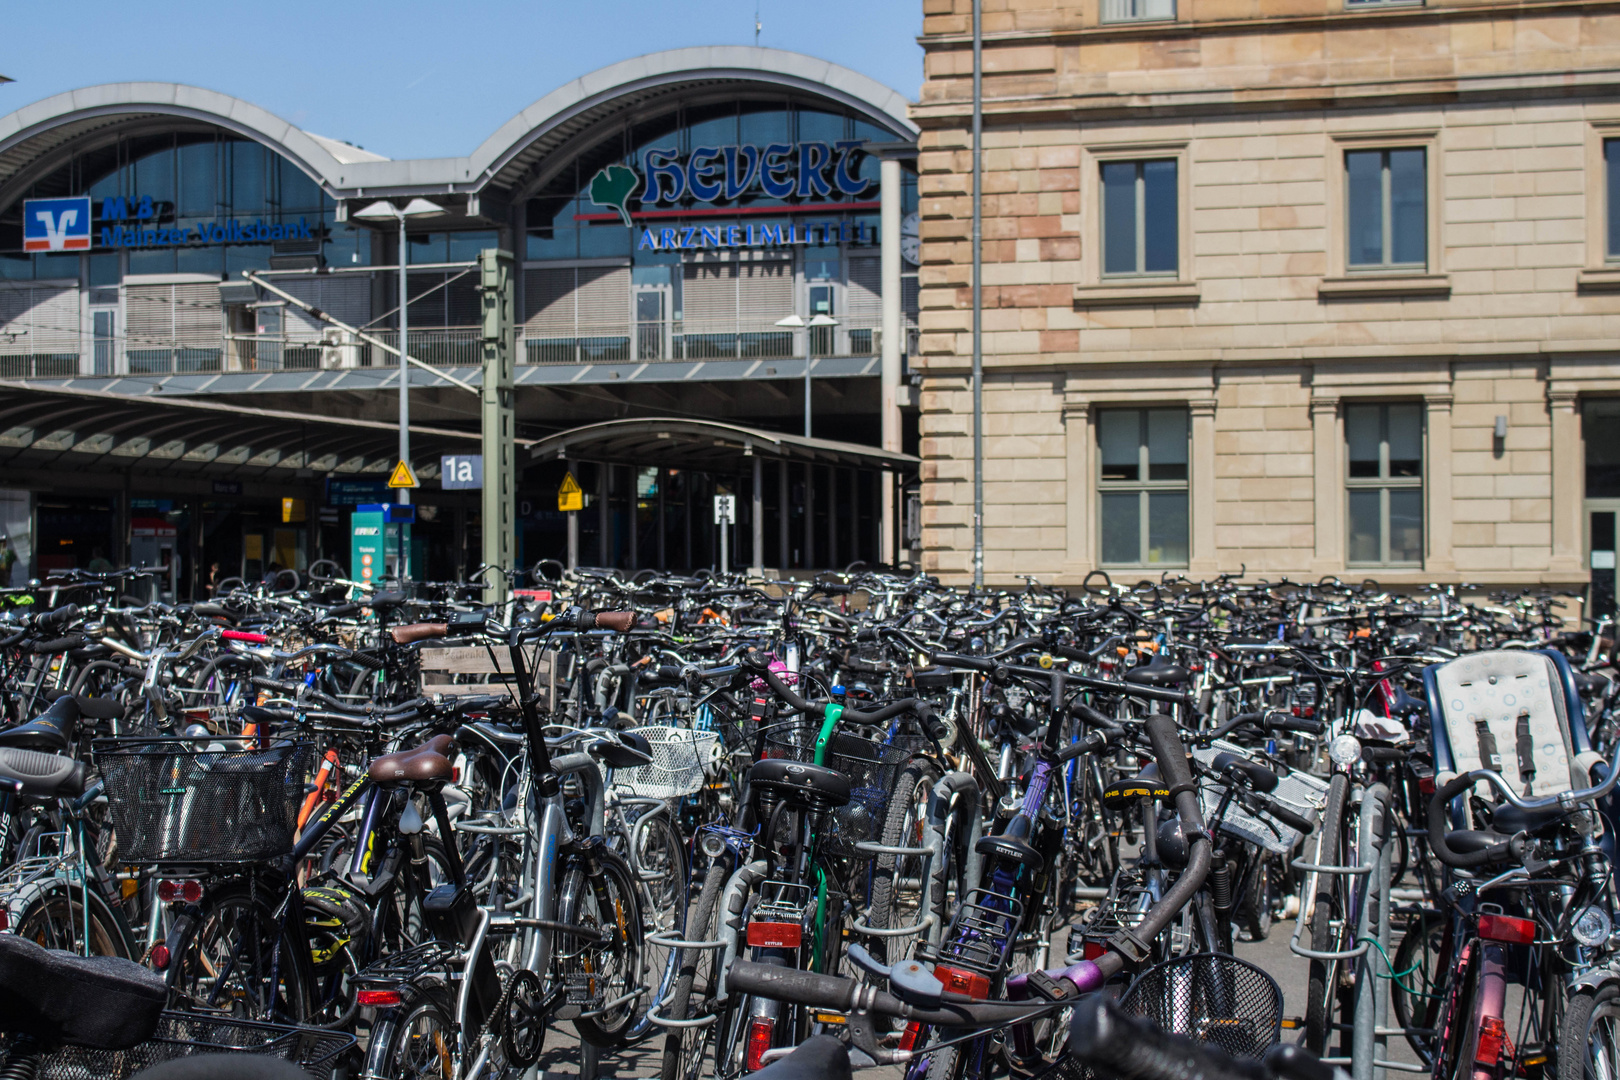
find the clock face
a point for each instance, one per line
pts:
(910, 240)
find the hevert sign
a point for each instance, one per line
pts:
(806, 170)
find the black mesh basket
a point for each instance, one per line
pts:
(1212, 997)
(872, 766)
(192, 801)
(183, 1034)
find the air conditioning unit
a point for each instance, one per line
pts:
(338, 349)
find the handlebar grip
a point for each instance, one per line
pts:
(58, 645)
(1288, 817)
(422, 631)
(1132, 1048)
(342, 611)
(617, 621)
(367, 661)
(966, 663)
(58, 619)
(1375, 754)
(1169, 751)
(791, 984)
(1279, 722)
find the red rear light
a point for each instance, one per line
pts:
(377, 997)
(1426, 784)
(1493, 1040)
(1508, 929)
(1094, 949)
(958, 981)
(775, 935)
(908, 1040)
(160, 957)
(186, 892)
(761, 1033)
(5, 920)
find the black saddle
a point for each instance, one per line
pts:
(103, 1002)
(1508, 818)
(1157, 675)
(35, 775)
(800, 780)
(1012, 847)
(52, 732)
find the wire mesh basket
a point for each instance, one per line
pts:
(196, 801)
(680, 760)
(1211, 997)
(181, 1034)
(872, 766)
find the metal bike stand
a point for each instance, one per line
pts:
(930, 919)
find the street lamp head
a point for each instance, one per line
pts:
(419, 208)
(792, 322)
(822, 320)
(381, 210)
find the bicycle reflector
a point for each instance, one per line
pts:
(187, 892)
(376, 997)
(958, 981)
(775, 935)
(1508, 929)
(160, 957)
(1493, 1040)
(761, 1033)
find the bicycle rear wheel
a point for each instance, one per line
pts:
(693, 997)
(607, 980)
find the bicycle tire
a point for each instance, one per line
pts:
(55, 918)
(1321, 984)
(578, 906)
(421, 1040)
(684, 1048)
(258, 943)
(1586, 1008)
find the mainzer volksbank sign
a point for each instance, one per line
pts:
(133, 222)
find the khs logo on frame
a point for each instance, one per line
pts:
(56, 224)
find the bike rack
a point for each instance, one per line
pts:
(930, 920)
(1369, 862)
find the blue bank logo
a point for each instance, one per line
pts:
(56, 224)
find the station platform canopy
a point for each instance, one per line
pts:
(86, 431)
(709, 446)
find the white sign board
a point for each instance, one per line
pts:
(725, 509)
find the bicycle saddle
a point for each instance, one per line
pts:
(820, 1057)
(52, 731)
(41, 776)
(1009, 845)
(1259, 777)
(425, 764)
(1157, 675)
(800, 780)
(103, 1002)
(1508, 818)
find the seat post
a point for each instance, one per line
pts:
(435, 797)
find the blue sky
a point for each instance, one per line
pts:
(414, 79)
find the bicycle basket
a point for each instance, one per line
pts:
(1212, 997)
(181, 1034)
(680, 758)
(194, 801)
(871, 766)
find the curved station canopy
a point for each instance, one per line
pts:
(709, 446)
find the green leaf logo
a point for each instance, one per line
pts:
(613, 187)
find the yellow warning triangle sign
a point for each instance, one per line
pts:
(402, 477)
(569, 495)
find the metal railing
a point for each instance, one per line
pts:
(621, 342)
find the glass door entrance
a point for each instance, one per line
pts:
(1601, 515)
(652, 322)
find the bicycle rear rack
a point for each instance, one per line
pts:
(983, 931)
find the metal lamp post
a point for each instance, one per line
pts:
(794, 322)
(382, 210)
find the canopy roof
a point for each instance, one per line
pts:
(82, 430)
(708, 446)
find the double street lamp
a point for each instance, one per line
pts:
(795, 322)
(382, 210)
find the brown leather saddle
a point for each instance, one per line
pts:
(423, 765)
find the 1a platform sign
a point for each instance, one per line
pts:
(569, 494)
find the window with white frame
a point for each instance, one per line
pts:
(1384, 482)
(1142, 486)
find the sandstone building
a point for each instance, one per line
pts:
(1309, 287)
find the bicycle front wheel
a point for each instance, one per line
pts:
(1589, 1044)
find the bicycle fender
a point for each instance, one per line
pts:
(1595, 979)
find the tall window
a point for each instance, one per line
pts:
(1387, 198)
(1139, 218)
(1137, 10)
(1611, 167)
(1385, 484)
(1142, 486)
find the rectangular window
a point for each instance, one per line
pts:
(1611, 168)
(1354, 4)
(1142, 486)
(1385, 482)
(1137, 10)
(1140, 223)
(1387, 204)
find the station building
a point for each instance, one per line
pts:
(701, 234)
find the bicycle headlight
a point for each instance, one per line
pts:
(713, 844)
(1345, 750)
(1591, 927)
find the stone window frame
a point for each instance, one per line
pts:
(1097, 290)
(1602, 270)
(1345, 282)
